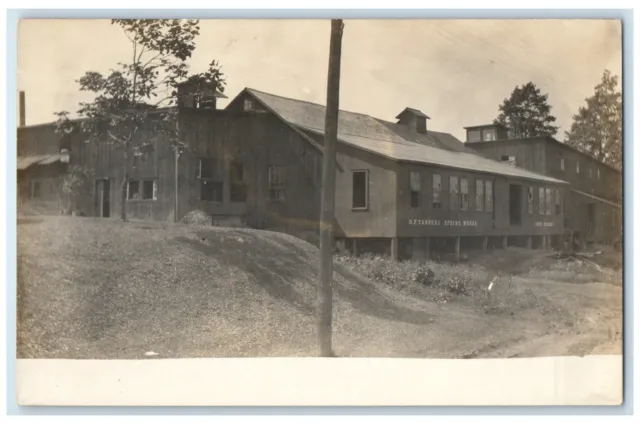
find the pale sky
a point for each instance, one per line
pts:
(455, 71)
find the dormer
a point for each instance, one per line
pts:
(413, 118)
(194, 97)
(482, 133)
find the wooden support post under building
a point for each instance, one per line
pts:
(529, 242)
(394, 248)
(485, 243)
(457, 248)
(505, 242)
(354, 247)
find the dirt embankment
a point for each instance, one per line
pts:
(90, 288)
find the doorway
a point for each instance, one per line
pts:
(103, 198)
(591, 218)
(515, 204)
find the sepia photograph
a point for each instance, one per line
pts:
(410, 188)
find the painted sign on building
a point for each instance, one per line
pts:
(445, 223)
(544, 224)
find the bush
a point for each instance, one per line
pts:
(196, 217)
(439, 281)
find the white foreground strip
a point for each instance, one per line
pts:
(592, 380)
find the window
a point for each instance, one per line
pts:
(248, 105)
(558, 203)
(489, 135)
(488, 192)
(35, 191)
(437, 189)
(598, 173)
(414, 188)
(142, 190)
(276, 182)
(474, 135)
(590, 173)
(360, 190)
(479, 195)
(549, 201)
(206, 168)
(211, 191)
(577, 167)
(464, 194)
(236, 182)
(541, 207)
(562, 164)
(530, 200)
(453, 193)
(511, 160)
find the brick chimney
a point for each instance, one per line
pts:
(413, 118)
(21, 107)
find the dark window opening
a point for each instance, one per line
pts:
(414, 188)
(488, 193)
(142, 190)
(133, 191)
(276, 183)
(211, 191)
(237, 184)
(359, 200)
(464, 194)
(479, 195)
(437, 189)
(147, 189)
(36, 190)
(206, 168)
(454, 192)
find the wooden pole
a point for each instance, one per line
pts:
(327, 209)
(394, 248)
(176, 190)
(457, 248)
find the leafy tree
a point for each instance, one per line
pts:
(597, 127)
(74, 183)
(526, 113)
(130, 110)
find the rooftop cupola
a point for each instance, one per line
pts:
(413, 118)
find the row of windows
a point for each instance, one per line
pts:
(458, 193)
(590, 170)
(211, 186)
(545, 201)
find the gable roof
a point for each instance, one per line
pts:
(413, 112)
(387, 139)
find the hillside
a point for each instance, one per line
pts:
(90, 288)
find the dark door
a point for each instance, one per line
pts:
(515, 204)
(103, 198)
(591, 218)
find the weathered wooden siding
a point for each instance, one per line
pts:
(51, 200)
(608, 185)
(257, 141)
(38, 140)
(379, 219)
(529, 154)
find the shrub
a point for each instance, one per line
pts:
(196, 217)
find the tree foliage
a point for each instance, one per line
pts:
(597, 127)
(526, 113)
(131, 105)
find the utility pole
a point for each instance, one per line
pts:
(327, 207)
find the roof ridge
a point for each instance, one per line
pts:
(309, 102)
